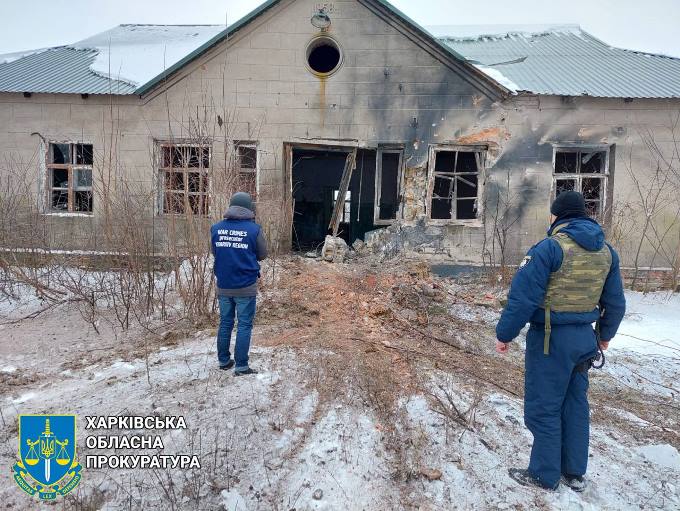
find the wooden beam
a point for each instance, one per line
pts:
(350, 163)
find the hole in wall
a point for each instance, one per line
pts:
(323, 55)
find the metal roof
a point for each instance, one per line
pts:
(100, 64)
(63, 69)
(117, 61)
(553, 60)
(563, 60)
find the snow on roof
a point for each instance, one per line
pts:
(561, 60)
(555, 59)
(6, 58)
(138, 53)
(476, 32)
(499, 77)
(117, 61)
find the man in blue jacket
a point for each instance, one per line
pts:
(567, 282)
(238, 245)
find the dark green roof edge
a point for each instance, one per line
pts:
(230, 30)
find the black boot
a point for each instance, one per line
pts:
(523, 477)
(244, 372)
(576, 483)
(229, 365)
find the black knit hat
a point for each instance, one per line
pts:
(569, 205)
(242, 199)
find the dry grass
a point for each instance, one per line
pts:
(370, 334)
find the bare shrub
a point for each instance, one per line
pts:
(655, 195)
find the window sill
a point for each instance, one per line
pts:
(463, 223)
(182, 215)
(69, 214)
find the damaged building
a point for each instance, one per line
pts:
(344, 117)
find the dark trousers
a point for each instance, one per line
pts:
(556, 407)
(243, 309)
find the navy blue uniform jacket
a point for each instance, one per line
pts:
(529, 285)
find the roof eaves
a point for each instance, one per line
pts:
(230, 30)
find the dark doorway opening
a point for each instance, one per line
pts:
(316, 175)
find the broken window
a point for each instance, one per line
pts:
(246, 168)
(184, 170)
(455, 184)
(69, 177)
(387, 181)
(584, 171)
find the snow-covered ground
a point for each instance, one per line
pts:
(645, 354)
(307, 433)
(651, 325)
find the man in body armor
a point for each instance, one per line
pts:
(565, 284)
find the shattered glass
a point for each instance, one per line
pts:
(59, 200)
(194, 182)
(59, 178)
(247, 157)
(83, 178)
(174, 181)
(593, 163)
(566, 162)
(443, 187)
(564, 185)
(174, 203)
(60, 154)
(82, 201)
(84, 154)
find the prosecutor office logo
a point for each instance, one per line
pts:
(47, 455)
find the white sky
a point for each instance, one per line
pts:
(648, 25)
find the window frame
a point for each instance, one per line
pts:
(578, 177)
(346, 217)
(388, 149)
(480, 158)
(249, 144)
(205, 181)
(71, 167)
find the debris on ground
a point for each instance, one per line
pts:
(378, 389)
(334, 249)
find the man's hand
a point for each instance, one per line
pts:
(502, 347)
(604, 345)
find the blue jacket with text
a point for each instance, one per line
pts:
(235, 247)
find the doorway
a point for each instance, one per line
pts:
(316, 174)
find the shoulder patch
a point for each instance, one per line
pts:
(524, 262)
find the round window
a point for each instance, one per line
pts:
(323, 55)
